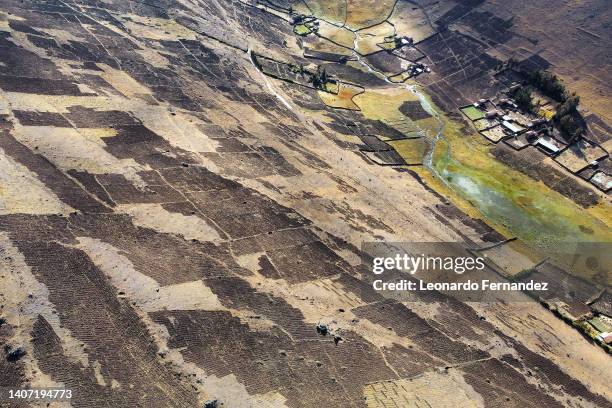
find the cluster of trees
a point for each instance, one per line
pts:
(567, 118)
(510, 63)
(319, 78)
(298, 69)
(569, 106)
(523, 99)
(548, 84)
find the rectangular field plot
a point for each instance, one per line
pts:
(409, 53)
(472, 113)
(518, 142)
(411, 150)
(495, 134)
(602, 181)
(482, 124)
(511, 258)
(579, 155)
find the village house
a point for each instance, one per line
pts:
(531, 136)
(537, 122)
(549, 145)
(605, 337)
(492, 114)
(512, 127)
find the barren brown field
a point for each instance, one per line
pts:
(176, 226)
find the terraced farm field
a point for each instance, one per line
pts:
(189, 191)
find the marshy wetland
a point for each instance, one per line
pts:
(187, 188)
(457, 162)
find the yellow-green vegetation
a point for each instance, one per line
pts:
(546, 112)
(369, 38)
(401, 77)
(482, 124)
(602, 211)
(301, 29)
(323, 45)
(329, 10)
(463, 168)
(592, 333)
(332, 87)
(384, 103)
(356, 13)
(514, 203)
(600, 325)
(361, 24)
(528, 208)
(366, 13)
(412, 150)
(473, 113)
(343, 96)
(339, 35)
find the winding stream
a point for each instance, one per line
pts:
(511, 200)
(515, 203)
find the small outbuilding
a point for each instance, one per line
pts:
(548, 145)
(605, 337)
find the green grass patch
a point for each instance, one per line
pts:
(301, 29)
(411, 150)
(600, 324)
(473, 113)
